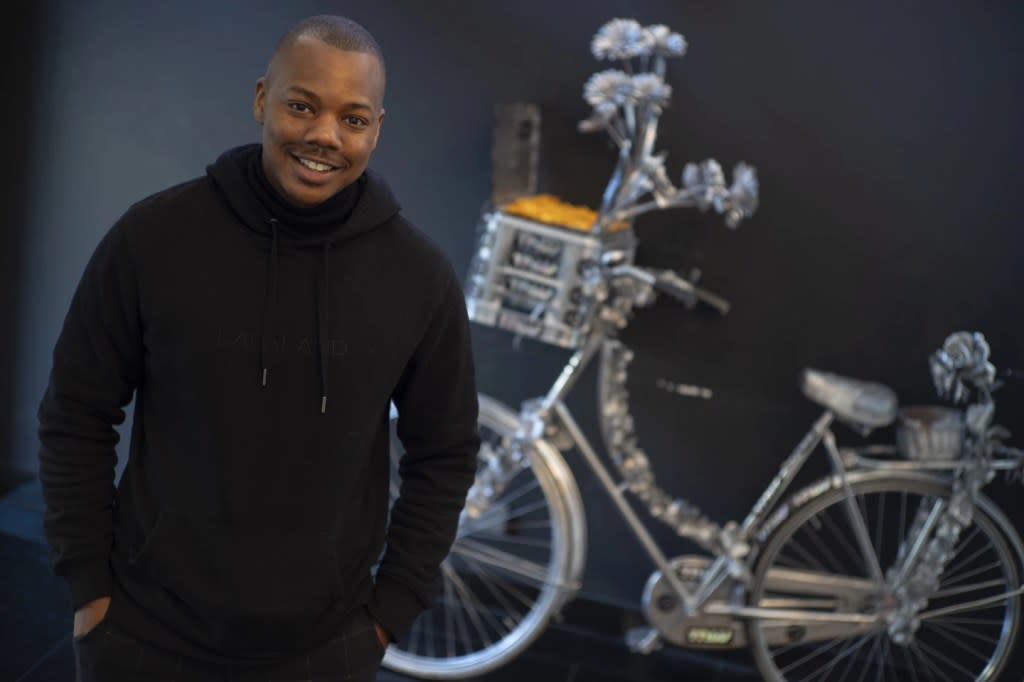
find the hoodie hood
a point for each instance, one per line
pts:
(229, 173)
(319, 227)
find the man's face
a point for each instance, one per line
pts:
(321, 111)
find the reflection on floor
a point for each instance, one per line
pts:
(35, 626)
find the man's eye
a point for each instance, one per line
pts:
(356, 121)
(299, 106)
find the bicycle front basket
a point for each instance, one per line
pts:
(527, 276)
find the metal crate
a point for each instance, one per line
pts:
(527, 277)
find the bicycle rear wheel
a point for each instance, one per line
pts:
(812, 562)
(508, 571)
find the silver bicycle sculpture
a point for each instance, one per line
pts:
(896, 566)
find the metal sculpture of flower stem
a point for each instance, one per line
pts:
(627, 104)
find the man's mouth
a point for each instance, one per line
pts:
(317, 166)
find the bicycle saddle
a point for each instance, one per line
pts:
(861, 402)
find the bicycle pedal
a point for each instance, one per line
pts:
(643, 640)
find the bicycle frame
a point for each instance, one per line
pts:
(550, 416)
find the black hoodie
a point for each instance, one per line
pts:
(263, 356)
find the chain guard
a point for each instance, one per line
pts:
(664, 610)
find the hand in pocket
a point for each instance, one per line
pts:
(89, 616)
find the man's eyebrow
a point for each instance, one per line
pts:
(359, 105)
(313, 96)
(303, 91)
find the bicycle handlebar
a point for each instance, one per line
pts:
(668, 282)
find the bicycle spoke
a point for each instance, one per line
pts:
(472, 527)
(963, 632)
(808, 557)
(929, 666)
(945, 659)
(823, 548)
(415, 630)
(785, 649)
(954, 642)
(871, 655)
(430, 635)
(529, 509)
(957, 561)
(966, 621)
(482, 571)
(467, 596)
(501, 628)
(883, 657)
(534, 525)
(510, 496)
(511, 612)
(903, 517)
(460, 625)
(508, 539)
(448, 628)
(963, 589)
(849, 647)
(982, 603)
(878, 526)
(814, 653)
(528, 570)
(963, 576)
(910, 664)
(840, 536)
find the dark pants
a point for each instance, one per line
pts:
(108, 653)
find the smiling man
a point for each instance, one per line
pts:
(263, 316)
(321, 108)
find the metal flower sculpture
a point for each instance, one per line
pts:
(627, 104)
(962, 363)
(622, 39)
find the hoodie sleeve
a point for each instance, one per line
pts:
(96, 365)
(437, 424)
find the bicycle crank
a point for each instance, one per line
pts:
(664, 610)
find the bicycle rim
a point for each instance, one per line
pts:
(505, 575)
(969, 644)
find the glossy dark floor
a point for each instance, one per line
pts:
(35, 625)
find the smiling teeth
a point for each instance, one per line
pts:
(322, 167)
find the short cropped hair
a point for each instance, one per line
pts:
(336, 31)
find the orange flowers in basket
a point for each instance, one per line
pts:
(547, 208)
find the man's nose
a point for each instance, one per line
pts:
(325, 132)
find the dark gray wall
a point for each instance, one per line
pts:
(886, 137)
(18, 78)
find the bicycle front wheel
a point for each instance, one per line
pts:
(510, 568)
(814, 562)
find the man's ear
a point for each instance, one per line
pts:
(259, 101)
(380, 124)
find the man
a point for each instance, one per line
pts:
(264, 316)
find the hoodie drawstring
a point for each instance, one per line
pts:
(322, 321)
(269, 304)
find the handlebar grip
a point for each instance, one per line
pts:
(675, 286)
(715, 301)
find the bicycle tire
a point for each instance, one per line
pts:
(486, 615)
(973, 645)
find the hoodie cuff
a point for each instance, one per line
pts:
(89, 581)
(394, 606)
